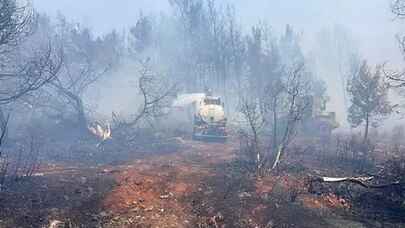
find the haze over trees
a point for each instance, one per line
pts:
(334, 52)
(265, 76)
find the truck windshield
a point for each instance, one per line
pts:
(212, 101)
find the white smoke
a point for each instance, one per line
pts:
(185, 100)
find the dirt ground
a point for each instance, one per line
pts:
(201, 185)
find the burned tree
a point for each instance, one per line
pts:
(280, 86)
(212, 50)
(369, 98)
(251, 138)
(25, 65)
(285, 67)
(156, 94)
(21, 74)
(3, 161)
(15, 23)
(295, 105)
(281, 117)
(141, 35)
(85, 62)
(21, 79)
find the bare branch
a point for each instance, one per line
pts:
(41, 69)
(15, 22)
(155, 95)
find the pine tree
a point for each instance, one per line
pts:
(369, 98)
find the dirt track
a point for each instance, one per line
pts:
(201, 185)
(156, 191)
(148, 192)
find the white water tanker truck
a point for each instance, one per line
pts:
(208, 115)
(209, 119)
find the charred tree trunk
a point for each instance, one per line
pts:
(77, 104)
(280, 152)
(256, 150)
(275, 125)
(81, 115)
(2, 119)
(3, 128)
(366, 128)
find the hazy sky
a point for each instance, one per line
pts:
(370, 21)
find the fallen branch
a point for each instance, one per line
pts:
(362, 181)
